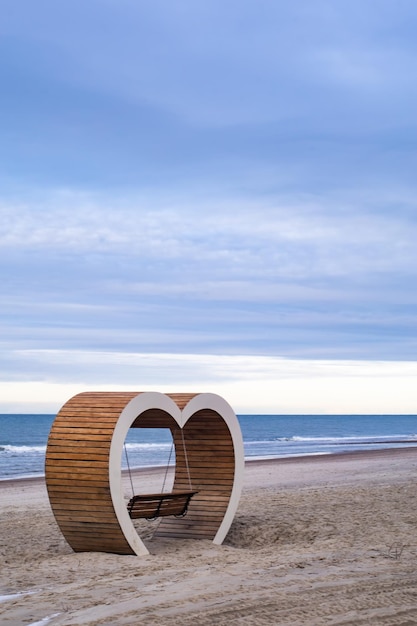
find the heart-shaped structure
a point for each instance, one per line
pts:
(83, 466)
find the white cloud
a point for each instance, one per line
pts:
(275, 237)
(252, 384)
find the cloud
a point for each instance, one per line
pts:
(275, 276)
(250, 383)
(231, 242)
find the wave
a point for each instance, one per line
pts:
(21, 450)
(25, 450)
(355, 439)
(342, 439)
(148, 446)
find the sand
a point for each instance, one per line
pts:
(316, 541)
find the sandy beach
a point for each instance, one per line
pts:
(316, 541)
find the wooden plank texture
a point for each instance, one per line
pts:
(87, 419)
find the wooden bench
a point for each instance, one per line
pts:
(151, 506)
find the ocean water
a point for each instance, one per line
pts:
(23, 438)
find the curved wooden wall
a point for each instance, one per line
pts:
(83, 473)
(77, 472)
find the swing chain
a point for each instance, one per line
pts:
(128, 469)
(186, 459)
(167, 467)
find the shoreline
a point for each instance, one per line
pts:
(155, 470)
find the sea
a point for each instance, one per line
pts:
(23, 439)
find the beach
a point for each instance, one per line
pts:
(320, 540)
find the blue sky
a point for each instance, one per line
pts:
(212, 196)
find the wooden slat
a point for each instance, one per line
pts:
(101, 506)
(77, 490)
(59, 461)
(63, 455)
(85, 419)
(63, 482)
(86, 444)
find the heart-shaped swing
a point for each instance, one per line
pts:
(83, 468)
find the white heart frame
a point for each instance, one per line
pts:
(83, 466)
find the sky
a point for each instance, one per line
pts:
(209, 196)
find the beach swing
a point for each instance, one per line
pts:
(150, 506)
(83, 472)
